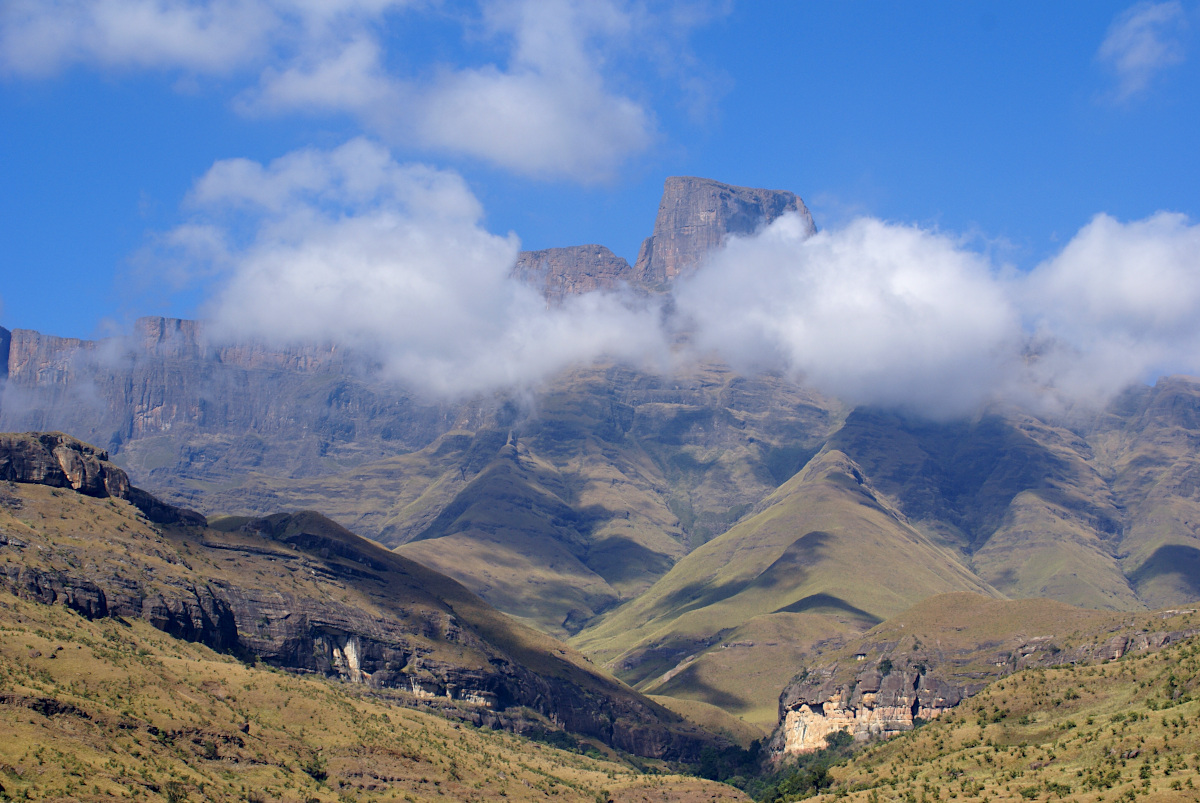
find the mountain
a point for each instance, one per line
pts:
(599, 483)
(299, 592)
(696, 215)
(110, 708)
(678, 527)
(823, 557)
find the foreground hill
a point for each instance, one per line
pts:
(301, 593)
(1103, 730)
(921, 664)
(111, 708)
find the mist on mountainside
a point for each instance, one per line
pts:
(349, 247)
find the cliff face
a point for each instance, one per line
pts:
(560, 272)
(925, 662)
(60, 461)
(301, 593)
(696, 215)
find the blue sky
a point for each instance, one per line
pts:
(1006, 126)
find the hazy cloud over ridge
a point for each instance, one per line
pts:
(895, 315)
(547, 107)
(348, 246)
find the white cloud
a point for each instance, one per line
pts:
(548, 107)
(348, 246)
(873, 313)
(1119, 304)
(217, 37)
(898, 316)
(1141, 42)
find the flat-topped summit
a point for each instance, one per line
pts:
(697, 214)
(574, 270)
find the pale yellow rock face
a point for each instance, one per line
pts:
(806, 728)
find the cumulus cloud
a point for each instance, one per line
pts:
(1141, 42)
(1120, 304)
(350, 247)
(898, 316)
(872, 313)
(547, 107)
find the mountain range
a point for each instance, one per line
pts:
(698, 533)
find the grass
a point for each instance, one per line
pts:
(1126, 730)
(303, 564)
(101, 710)
(824, 558)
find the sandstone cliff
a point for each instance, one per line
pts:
(919, 665)
(301, 593)
(60, 461)
(560, 272)
(696, 215)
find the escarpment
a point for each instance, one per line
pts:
(61, 461)
(920, 665)
(301, 593)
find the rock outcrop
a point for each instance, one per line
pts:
(61, 461)
(696, 215)
(904, 671)
(560, 272)
(301, 593)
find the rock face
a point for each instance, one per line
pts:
(560, 272)
(904, 670)
(874, 705)
(61, 461)
(696, 215)
(300, 593)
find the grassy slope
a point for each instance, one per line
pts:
(1149, 449)
(1120, 730)
(105, 709)
(1017, 497)
(960, 637)
(824, 557)
(73, 534)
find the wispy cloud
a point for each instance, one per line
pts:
(549, 106)
(348, 246)
(1141, 42)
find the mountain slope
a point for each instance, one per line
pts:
(106, 709)
(823, 557)
(300, 592)
(1111, 730)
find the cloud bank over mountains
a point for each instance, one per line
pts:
(349, 246)
(895, 315)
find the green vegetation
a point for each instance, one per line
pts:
(1126, 730)
(100, 710)
(826, 558)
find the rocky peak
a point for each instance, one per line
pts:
(61, 461)
(697, 214)
(559, 272)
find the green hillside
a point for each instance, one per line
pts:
(1108, 730)
(825, 557)
(112, 709)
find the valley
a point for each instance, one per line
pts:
(647, 567)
